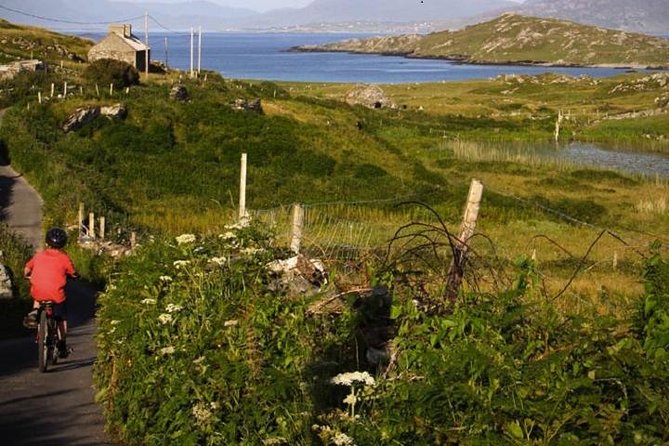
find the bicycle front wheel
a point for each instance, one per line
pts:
(42, 342)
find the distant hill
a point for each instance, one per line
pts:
(515, 39)
(377, 11)
(649, 16)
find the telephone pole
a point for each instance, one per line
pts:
(191, 51)
(199, 49)
(146, 42)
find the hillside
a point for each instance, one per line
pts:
(649, 16)
(512, 38)
(26, 42)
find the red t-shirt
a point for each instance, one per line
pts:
(48, 271)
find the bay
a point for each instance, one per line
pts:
(265, 56)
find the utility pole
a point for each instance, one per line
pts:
(146, 42)
(199, 49)
(191, 51)
(166, 64)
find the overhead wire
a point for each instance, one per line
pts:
(71, 22)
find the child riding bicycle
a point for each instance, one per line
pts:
(48, 271)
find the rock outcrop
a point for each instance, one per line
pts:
(84, 115)
(371, 96)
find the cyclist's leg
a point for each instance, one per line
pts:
(60, 314)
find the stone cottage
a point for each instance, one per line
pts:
(121, 44)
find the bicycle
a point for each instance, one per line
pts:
(47, 336)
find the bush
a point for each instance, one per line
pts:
(110, 71)
(196, 347)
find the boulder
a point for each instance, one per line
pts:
(371, 96)
(248, 105)
(116, 111)
(80, 118)
(179, 93)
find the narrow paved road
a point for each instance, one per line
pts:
(54, 408)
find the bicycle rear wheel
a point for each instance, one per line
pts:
(52, 342)
(42, 342)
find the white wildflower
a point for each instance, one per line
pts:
(165, 279)
(228, 235)
(351, 399)
(218, 260)
(214, 405)
(230, 323)
(185, 238)
(167, 350)
(115, 322)
(234, 226)
(199, 360)
(341, 439)
(251, 251)
(347, 379)
(149, 301)
(178, 264)
(165, 318)
(202, 415)
(173, 308)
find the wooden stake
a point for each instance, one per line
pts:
(91, 225)
(64, 90)
(298, 225)
(102, 228)
(460, 248)
(242, 190)
(97, 90)
(39, 97)
(133, 240)
(111, 89)
(81, 220)
(53, 89)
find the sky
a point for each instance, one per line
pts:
(256, 5)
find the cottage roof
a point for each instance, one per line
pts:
(123, 33)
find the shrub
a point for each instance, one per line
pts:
(110, 71)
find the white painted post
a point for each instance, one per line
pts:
(111, 89)
(97, 90)
(298, 225)
(242, 190)
(53, 89)
(91, 225)
(102, 228)
(39, 97)
(64, 90)
(81, 220)
(133, 240)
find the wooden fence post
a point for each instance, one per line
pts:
(91, 225)
(111, 89)
(133, 240)
(53, 89)
(64, 90)
(243, 216)
(298, 225)
(102, 228)
(456, 271)
(81, 220)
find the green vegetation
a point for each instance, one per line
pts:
(201, 344)
(15, 254)
(109, 71)
(517, 39)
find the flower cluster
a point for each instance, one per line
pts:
(185, 238)
(165, 318)
(202, 414)
(167, 350)
(178, 264)
(173, 308)
(148, 301)
(350, 378)
(218, 260)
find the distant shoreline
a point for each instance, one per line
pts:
(464, 61)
